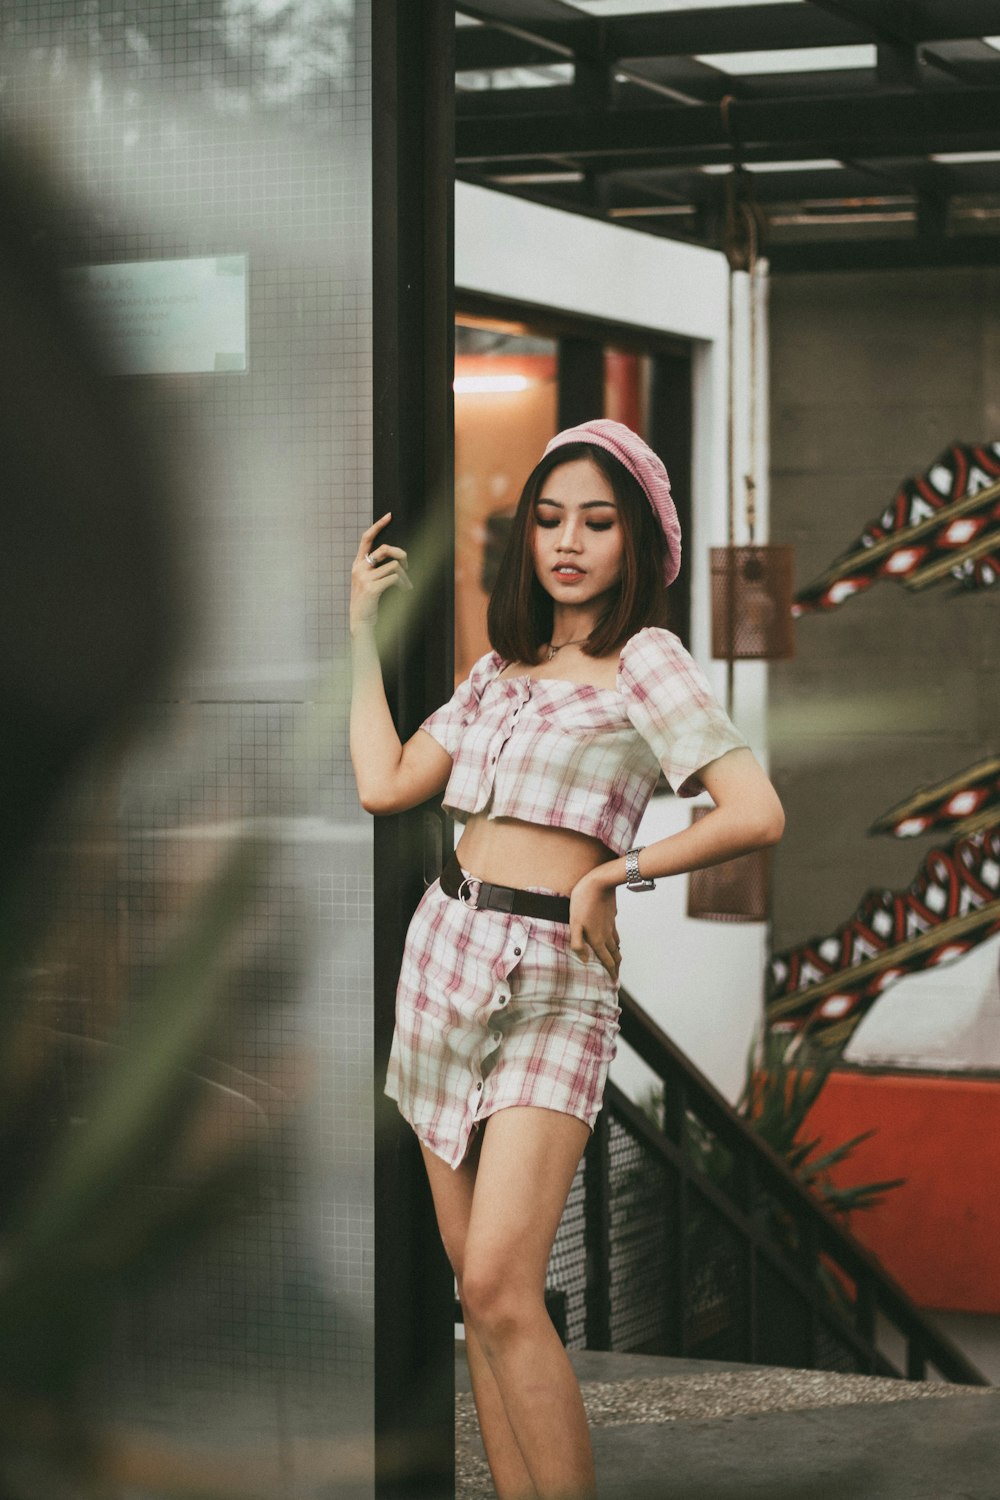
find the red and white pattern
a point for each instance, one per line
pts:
(495, 1010)
(828, 984)
(948, 804)
(569, 755)
(939, 525)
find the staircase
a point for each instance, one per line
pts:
(696, 1241)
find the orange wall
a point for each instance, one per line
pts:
(499, 439)
(939, 1235)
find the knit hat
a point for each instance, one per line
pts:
(644, 466)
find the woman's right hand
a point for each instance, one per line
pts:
(369, 582)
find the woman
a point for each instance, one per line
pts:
(506, 1010)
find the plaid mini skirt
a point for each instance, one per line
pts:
(495, 1010)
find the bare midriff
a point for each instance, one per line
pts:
(508, 851)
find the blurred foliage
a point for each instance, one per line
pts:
(118, 1186)
(113, 1165)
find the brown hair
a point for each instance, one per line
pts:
(520, 614)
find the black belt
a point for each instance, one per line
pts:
(481, 894)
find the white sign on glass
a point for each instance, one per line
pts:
(171, 317)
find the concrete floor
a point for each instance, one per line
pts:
(663, 1428)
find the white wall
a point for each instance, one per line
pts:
(703, 981)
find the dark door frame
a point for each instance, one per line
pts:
(413, 336)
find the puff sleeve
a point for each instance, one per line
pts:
(669, 700)
(446, 723)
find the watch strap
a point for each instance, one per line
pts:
(633, 880)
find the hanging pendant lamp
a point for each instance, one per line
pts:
(735, 891)
(752, 590)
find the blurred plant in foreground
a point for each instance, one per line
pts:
(110, 1167)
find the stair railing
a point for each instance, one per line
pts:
(699, 1241)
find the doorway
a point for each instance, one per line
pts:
(522, 374)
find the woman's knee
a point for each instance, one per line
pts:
(493, 1299)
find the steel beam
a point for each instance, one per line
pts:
(886, 255)
(516, 32)
(896, 124)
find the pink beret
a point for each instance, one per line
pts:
(644, 466)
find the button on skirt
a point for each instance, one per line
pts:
(495, 1010)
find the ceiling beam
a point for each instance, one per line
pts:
(744, 28)
(882, 20)
(520, 13)
(479, 49)
(528, 32)
(888, 124)
(885, 255)
(904, 21)
(500, 42)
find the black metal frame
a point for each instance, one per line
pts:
(737, 28)
(643, 115)
(759, 1180)
(413, 330)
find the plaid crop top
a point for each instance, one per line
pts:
(570, 755)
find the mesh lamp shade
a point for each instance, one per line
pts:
(752, 603)
(735, 891)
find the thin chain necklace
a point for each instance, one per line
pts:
(554, 649)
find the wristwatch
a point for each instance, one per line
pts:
(633, 880)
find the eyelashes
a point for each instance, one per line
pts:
(591, 525)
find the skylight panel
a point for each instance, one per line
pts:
(547, 75)
(526, 179)
(793, 60)
(957, 157)
(821, 164)
(661, 7)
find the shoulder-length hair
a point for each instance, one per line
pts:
(520, 614)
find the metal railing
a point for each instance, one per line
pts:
(698, 1241)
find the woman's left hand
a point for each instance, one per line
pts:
(593, 908)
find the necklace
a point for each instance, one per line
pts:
(554, 649)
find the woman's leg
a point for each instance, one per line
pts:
(526, 1167)
(452, 1190)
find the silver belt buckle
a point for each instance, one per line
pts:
(467, 880)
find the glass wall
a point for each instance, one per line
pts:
(217, 153)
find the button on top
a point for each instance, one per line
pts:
(517, 953)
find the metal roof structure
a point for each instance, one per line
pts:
(865, 133)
